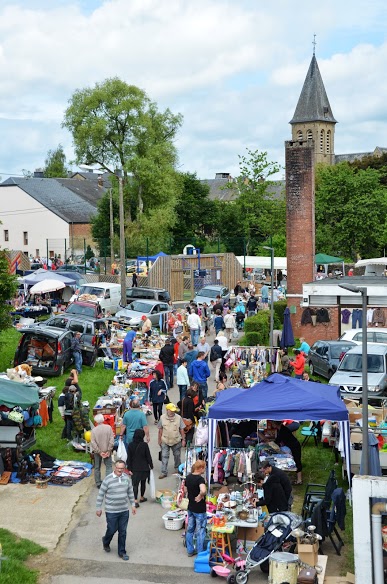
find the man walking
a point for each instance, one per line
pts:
(77, 352)
(251, 305)
(167, 357)
(204, 347)
(200, 372)
(171, 437)
(229, 323)
(216, 358)
(117, 490)
(102, 442)
(265, 295)
(194, 325)
(134, 419)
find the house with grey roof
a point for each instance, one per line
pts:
(47, 216)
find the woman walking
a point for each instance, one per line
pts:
(157, 392)
(139, 464)
(187, 409)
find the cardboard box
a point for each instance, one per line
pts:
(354, 414)
(308, 553)
(163, 493)
(250, 533)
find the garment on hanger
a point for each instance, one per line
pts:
(378, 318)
(345, 314)
(322, 315)
(357, 318)
(370, 314)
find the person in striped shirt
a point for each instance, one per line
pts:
(117, 491)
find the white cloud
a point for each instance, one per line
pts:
(234, 69)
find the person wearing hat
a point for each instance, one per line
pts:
(171, 437)
(146, 326)
(102, 442)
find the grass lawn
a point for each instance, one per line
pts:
(17, 551)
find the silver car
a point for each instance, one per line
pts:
(134, 312)
(210, 292)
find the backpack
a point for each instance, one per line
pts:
(214, 354)
(69, 401)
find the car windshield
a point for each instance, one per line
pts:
(98, 292)
(353, 363)
(209, 293)
(337, 350)
(139, 306)
(81, 309)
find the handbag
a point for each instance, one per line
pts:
(187, 422)
(183, 503)
(121, 451)
(166, 398)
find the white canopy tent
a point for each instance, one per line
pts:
(264, 262)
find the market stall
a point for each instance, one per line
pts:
(19, 403)
(278, 398)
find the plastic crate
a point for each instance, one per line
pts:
(173, 523)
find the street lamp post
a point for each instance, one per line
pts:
(364, 374)
(271, 249)
(119, 174)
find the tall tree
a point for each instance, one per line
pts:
(351, 211)
(116, 125)
(8, 287)
(55, 164)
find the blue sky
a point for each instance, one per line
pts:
(233, 69)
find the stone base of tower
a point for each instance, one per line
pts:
(328, 331)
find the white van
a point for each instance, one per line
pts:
(108, 295)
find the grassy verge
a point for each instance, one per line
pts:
(17, 551)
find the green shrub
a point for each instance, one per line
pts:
(257, 329)
(279, 309)
(252, 323)
(250, 340)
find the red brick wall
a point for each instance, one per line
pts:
(80, 230)
(328, 331)
(300, 236)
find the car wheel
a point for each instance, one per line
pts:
(311, 368)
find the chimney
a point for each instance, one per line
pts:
(39, 173)
(100, 180)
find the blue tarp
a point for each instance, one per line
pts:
(280, 398)
(151, 258)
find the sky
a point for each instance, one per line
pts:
(233, 68)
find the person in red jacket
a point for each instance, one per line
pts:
(298, 364)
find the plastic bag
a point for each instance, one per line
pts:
(152, 485)
(201, 437)
(235, 334)
(121, 451)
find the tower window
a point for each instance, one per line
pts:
(25, 237)
(300, 135)
(328, 144)
(322, 140)
(309, 135)
(6, 235)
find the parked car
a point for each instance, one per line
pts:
(375, 335)
(324, 356)
(349, 373)
(210, 292)
(147, 293)
(82, 308)
(90, 328)
(131, 267)
(47, 350)
(108, 296)
(135, 310)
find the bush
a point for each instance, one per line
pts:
(279, 309)
(251, 339)
(257, 329)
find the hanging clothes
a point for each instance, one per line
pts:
(357, 318)
(370, 314)
(345, 314)
(378, 318)
(322, 315)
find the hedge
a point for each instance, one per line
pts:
(279, 309)
(257, 329)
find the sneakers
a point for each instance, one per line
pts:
(137, 505)
(105, 547)
(190, 554)
(124, 557)
(162, 476)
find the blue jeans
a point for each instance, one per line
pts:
(203, 387)
(183, 391)
(168, 374)
(196, 522)
(298, 376)
(117, 522)
(78, 361)
(357, 317)
(195, 336)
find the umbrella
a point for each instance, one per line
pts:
(374, 468)
(41, 274)
(47, 286)
(287, 339)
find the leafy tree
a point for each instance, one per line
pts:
(55, 164)
(100, 223)
(373, 161)
(8, 287)
(351, 210)
(116, 125)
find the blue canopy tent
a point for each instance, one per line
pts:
(152, 258)
(279, 398)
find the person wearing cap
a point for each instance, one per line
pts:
(77, 352)
(171, 437)
(146, 326)
(102, 442)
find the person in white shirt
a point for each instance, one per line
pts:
(194, 325)
(229, 322)
(204, 347)
(182, 379)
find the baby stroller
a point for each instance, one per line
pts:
(277, 530)
(239, 321)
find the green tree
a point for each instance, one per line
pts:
(55, 164)
(351, 210)
(116, 125)
(8, 287)
(100, 223)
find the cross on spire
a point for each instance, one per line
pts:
(314, 44)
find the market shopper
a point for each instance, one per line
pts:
(251, 305)
(298, 364)
(139, 464)
(66, 417)
(182, 379)
(204, 347)
(117, 491)
(167, 357)
(199, 371)
(269, 470)
(146, 326)
(205, 318)
(132, 420)
(102, 442)
(285, 363)
(304, 348)
(218, 322)
(229, 323)
(194, 324)
(73, 380)
(157, 392)
(77, 352)
(195, 488)
(265, 295)
(274, 497)
(183, 348)
(216, 358)
(190, 355)
(128, 346)
(171, 437)
(285, 437)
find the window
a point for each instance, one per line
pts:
(328, 144)
(6, 235)
(381, 337)
(37, 254)
(322, 140)
(25, 237)
(309, 135)
(300, 135)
